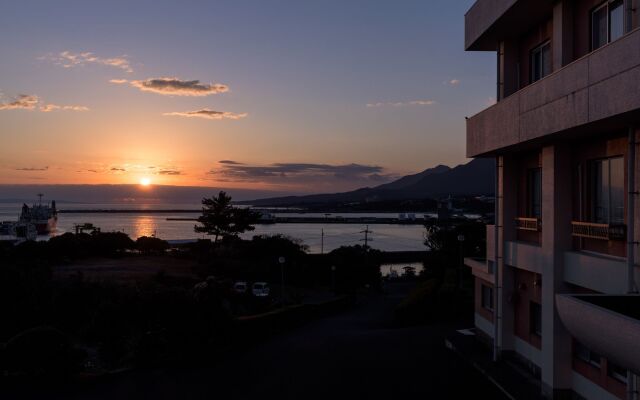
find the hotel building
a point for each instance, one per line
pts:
(557, 291)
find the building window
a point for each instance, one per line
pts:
(616, 372)
(540, 61)
(607, 23)
(582, 352)
(607, 193)
(534, 193)
(487, 297)
(535, 318)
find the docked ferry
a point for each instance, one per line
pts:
(43, 216)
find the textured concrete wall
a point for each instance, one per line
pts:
(600, 273)
(596, 87)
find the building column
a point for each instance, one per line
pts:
(509, 205)
(556, 368)
(562, 43)
(636, 230)
(508, 69)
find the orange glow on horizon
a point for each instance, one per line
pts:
(145, 181)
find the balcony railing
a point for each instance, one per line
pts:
(528, 224)
(598, 231)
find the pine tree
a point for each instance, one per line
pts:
(220, 219)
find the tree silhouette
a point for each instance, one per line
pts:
(220, 219)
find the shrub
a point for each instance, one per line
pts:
(151, 245)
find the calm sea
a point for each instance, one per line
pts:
(385, 237)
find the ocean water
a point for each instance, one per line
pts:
(387, 237)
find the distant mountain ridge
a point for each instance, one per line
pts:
(473, 178)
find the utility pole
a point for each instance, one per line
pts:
(366, 239)
(322, 241)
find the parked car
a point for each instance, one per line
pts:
(240, 287)
(260, 289)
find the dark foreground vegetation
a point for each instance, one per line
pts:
(57, 324)
(86, 304)
(445, 287)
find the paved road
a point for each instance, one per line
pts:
(356, 354)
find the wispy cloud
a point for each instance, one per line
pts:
(54, 107)
(402, 103)
(132, 168)
(32, 169)
(68, 59)
(172, 172)
(33, 102)
(172, 86)
(22, 102)
(207, 114)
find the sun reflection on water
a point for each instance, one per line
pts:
(144, 225)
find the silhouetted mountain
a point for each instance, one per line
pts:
(409, 180)
(473, 178)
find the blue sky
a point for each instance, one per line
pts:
(373, 89)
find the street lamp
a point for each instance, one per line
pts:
(282, 260)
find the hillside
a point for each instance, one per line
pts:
(473, 178)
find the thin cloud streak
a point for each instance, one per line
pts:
(207, 114)
(33, 102)
(402, 103)
(171, 172)
(171, 86)
(22, 102)
(54, 107)
(32, 169)
(68, 59)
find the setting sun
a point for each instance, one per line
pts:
(145, 181)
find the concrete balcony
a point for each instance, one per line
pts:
(488, 21)
(602, 273)
(481, 17)
(608, 325)
(524, 256)
(481, 268)
(583, 96)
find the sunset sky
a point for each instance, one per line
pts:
(299, 96)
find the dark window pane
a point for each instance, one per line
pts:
(535, 65)
(534, 184)
(546, 60)
(541, 65)
(600, 199)
(616, 20)
(617, 372)
(535, 318)
(487, 297)
(616, 184)
(599, 34)
(582, 352)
